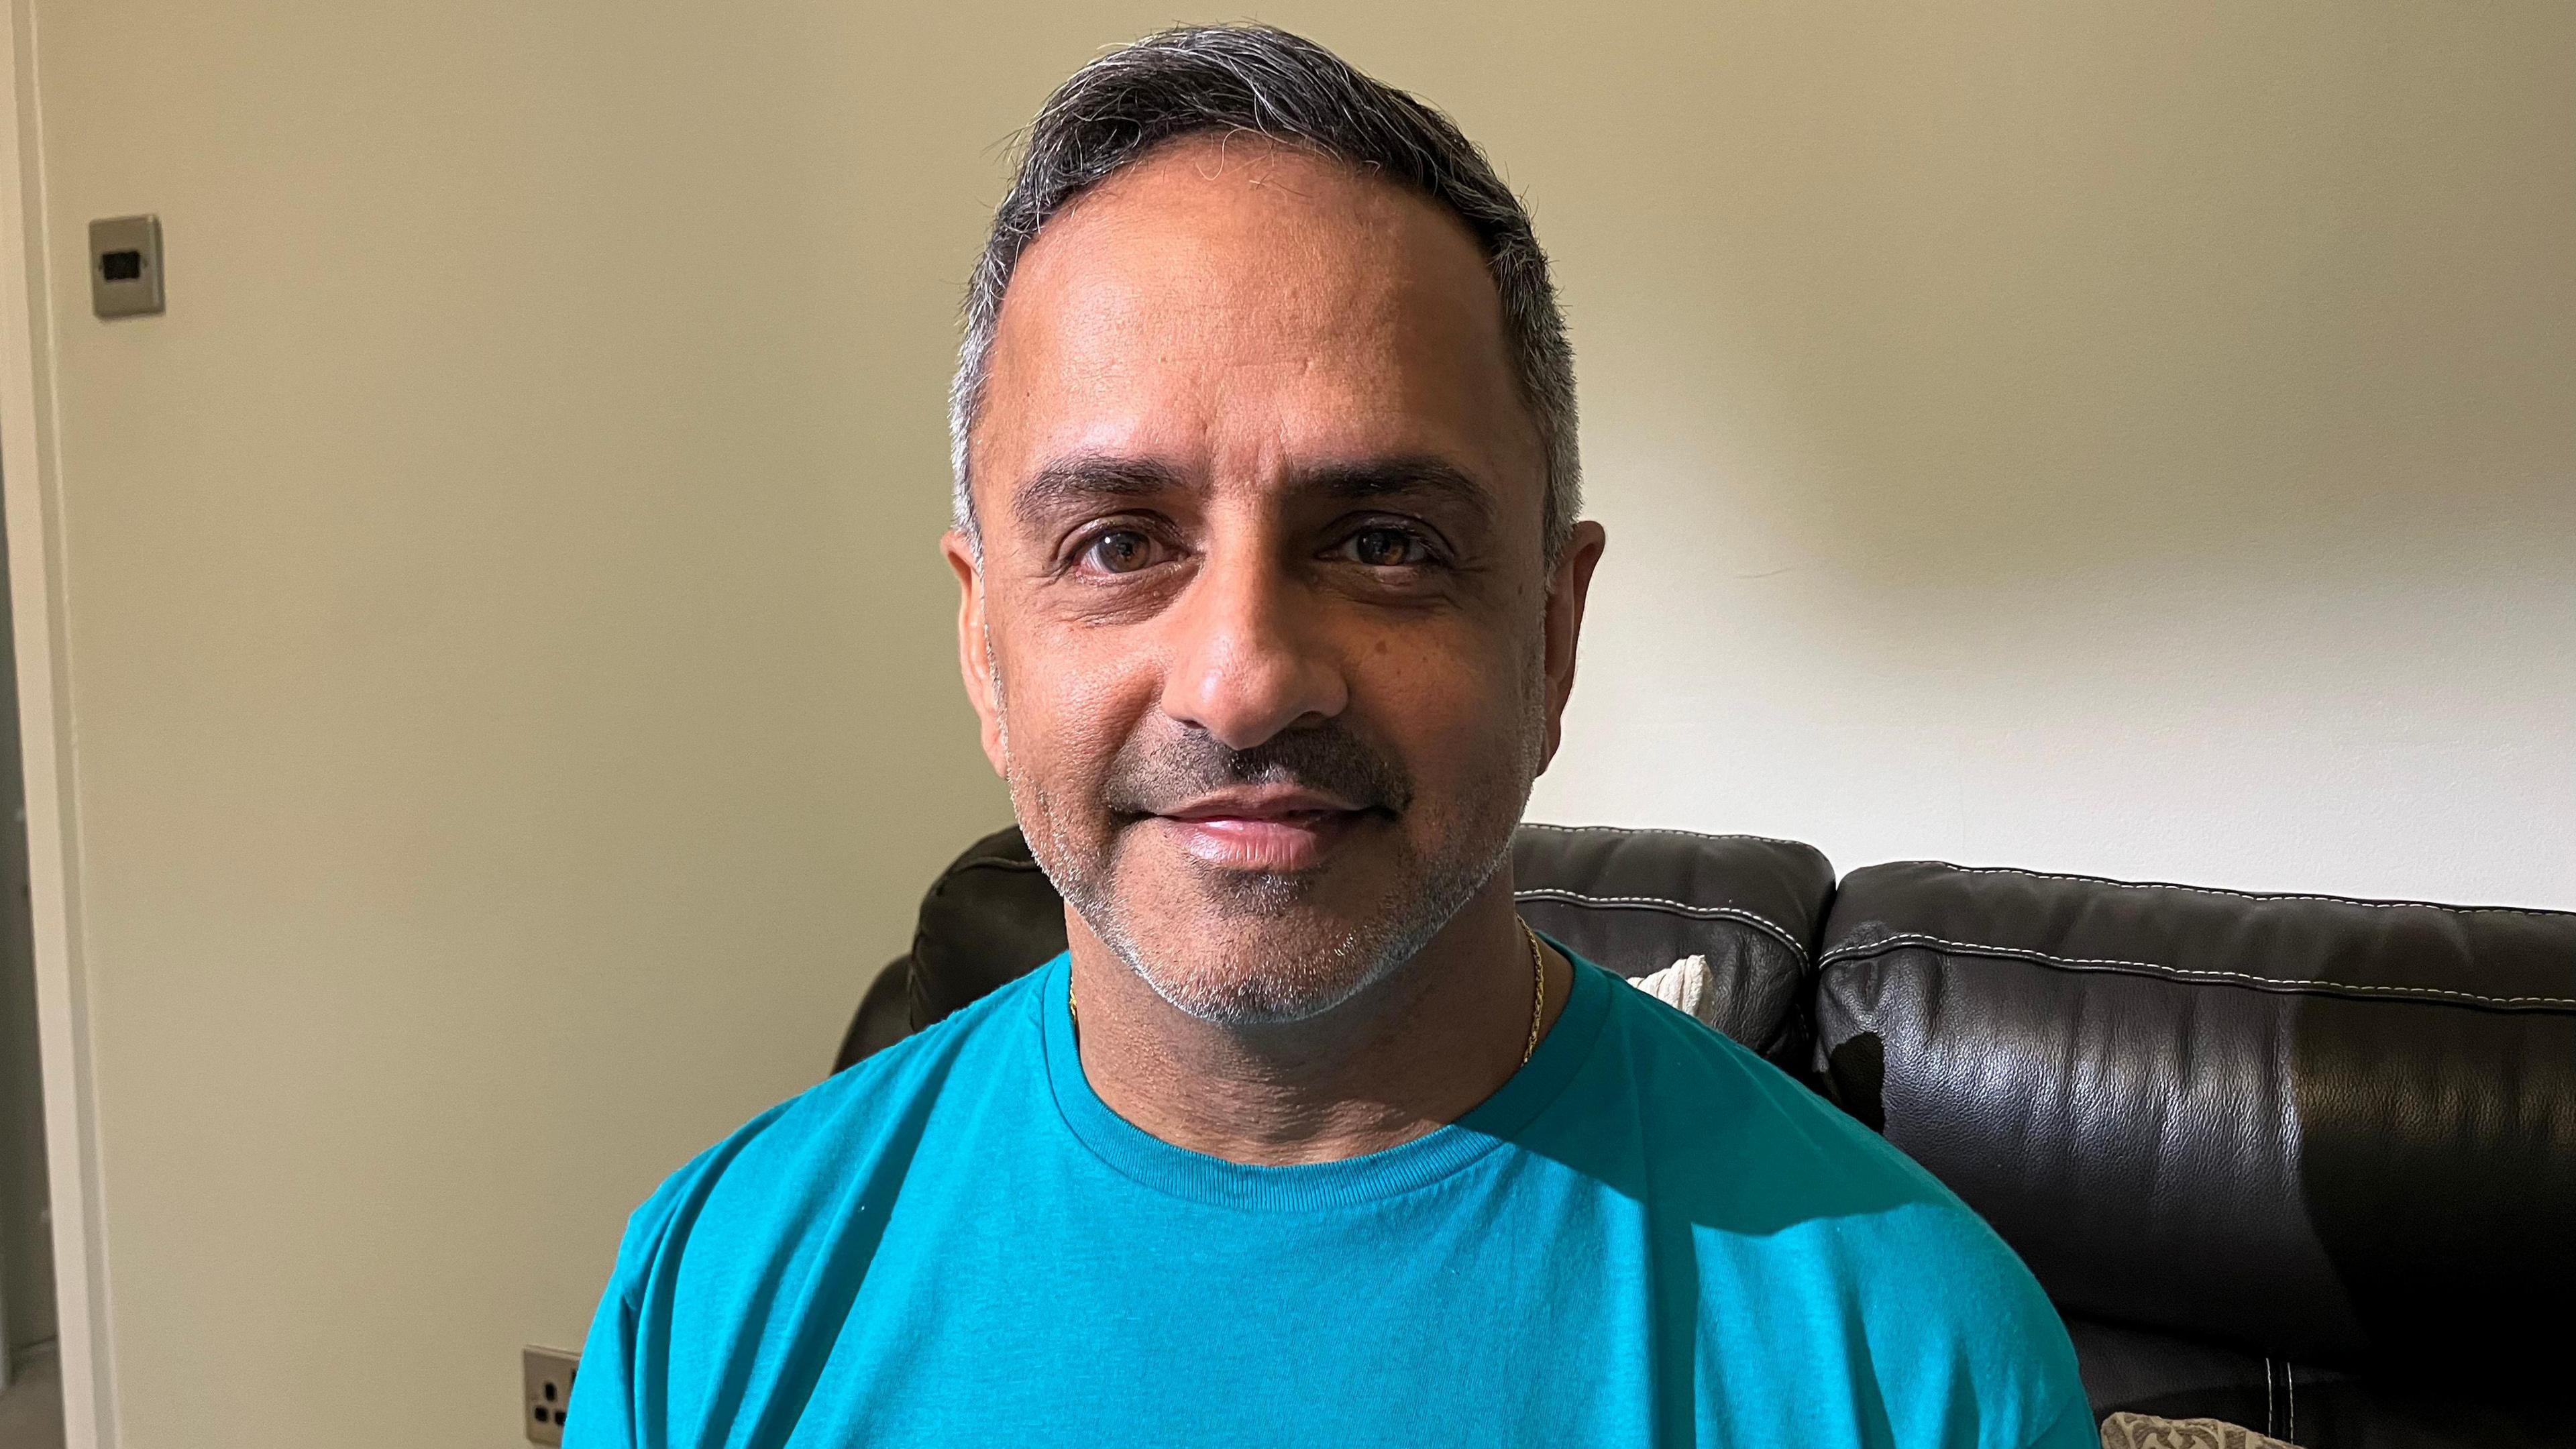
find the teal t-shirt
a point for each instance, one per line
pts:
(1647, 1236)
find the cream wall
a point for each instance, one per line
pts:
(508, 673)
(2131, 439)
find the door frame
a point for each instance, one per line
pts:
(30, 486)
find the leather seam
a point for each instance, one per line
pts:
(2158, 885)
(2292, 985)
(1654, 903)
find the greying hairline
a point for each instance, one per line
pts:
(1461, 182)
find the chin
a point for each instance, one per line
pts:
(1251, 981)
(1245, 949)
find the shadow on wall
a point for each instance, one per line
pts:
(2136, 441)
(26, 1245)
(2012, 293)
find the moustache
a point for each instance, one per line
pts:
(1152, 779)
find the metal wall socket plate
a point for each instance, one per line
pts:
(125, 266)
(547, 1373)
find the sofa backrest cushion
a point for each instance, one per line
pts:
(990, 918)
(1634, 901)
(2333, 1130)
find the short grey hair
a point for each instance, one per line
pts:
(1227, 79)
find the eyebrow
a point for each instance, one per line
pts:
(1089, 478)
(1401, 477)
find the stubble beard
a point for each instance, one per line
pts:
(1279, 959)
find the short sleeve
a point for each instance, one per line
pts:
(601, 1411)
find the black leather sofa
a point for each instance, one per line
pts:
(2301, 1163)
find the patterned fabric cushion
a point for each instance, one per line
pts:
(2144, 1431)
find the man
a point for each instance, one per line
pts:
(1271, 583)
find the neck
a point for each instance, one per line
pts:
(1412, 1052)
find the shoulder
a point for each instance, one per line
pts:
(1793, 1199)
(1707, 1100)
(1743, 1145)
(794, 1161)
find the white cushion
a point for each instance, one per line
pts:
(1688, 985)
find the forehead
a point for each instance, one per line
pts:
(1235, 310)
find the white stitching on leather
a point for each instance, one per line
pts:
(1557, 893)
(2270, 1424)
(1915, 938)
(1657, 830)
(2158, 885)
(2290, 1380)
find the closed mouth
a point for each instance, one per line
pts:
(1263, 829)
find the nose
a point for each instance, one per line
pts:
(1250, 659)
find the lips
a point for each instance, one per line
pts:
(1269, 830)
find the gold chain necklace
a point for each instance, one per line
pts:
(1538, 994)
(1538, 989)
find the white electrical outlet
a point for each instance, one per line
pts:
(547, 1373)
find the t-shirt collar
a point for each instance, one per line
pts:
(1311, 1187)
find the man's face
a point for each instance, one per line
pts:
(1261, 634)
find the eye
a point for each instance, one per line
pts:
(1386, 548)
(1119, 551)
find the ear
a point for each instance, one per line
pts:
(974, 640)
(1568, 585)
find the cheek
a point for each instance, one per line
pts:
(1455, 707)
(1071, 697)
